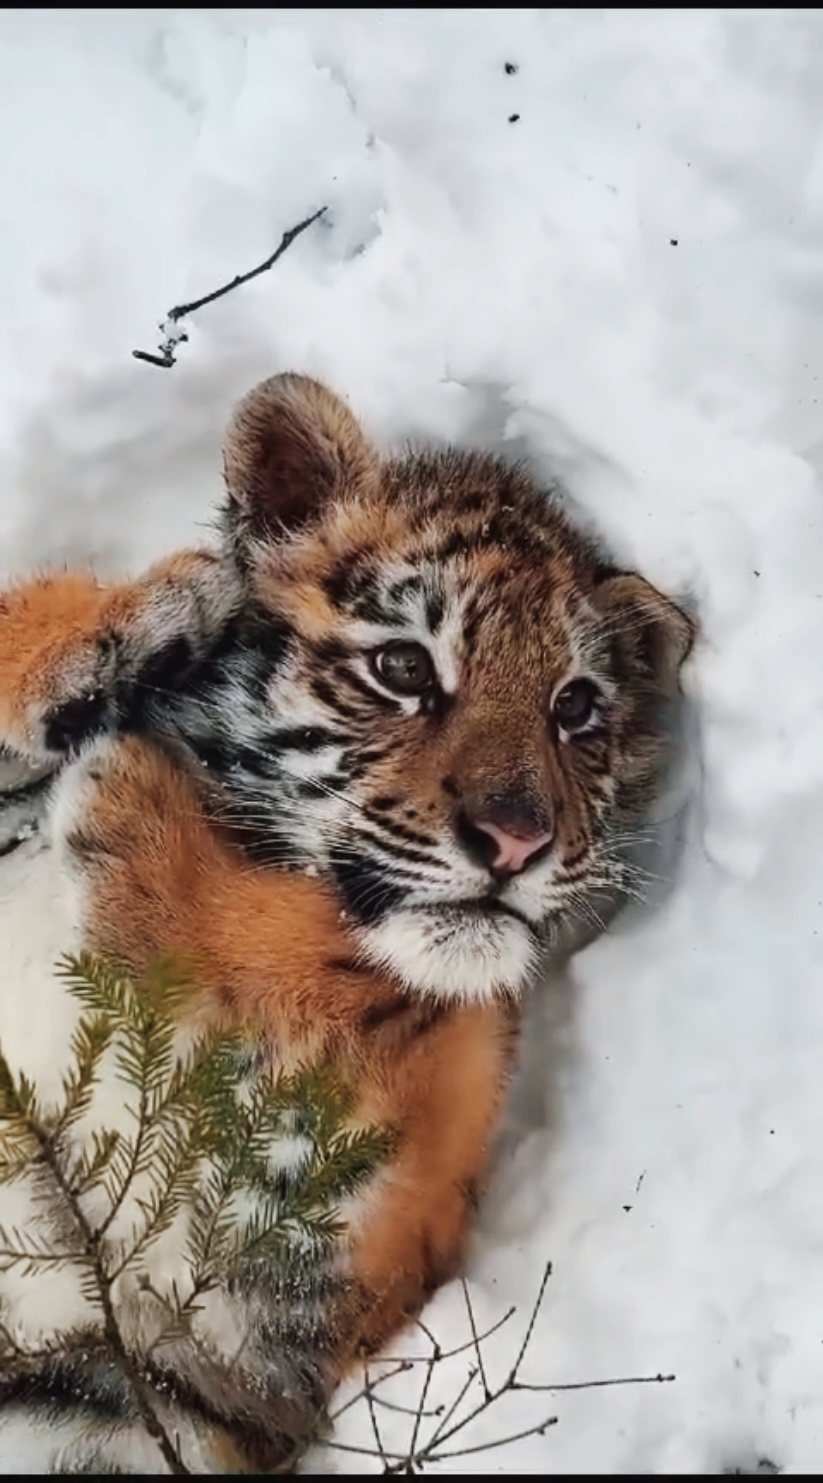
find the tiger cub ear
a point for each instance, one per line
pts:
(648, 624)
(292, 447)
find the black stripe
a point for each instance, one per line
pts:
(216, 753)
(364, 888)
(367, 755)
(75, 721)
(318, 787)
(372, 609)
(13, 843)
(342, 965)
(350, 580)
(457, 543)
(397, 592)
(331, 651)
(375, 697)
(258, 643)
(265, 845)
(435, 611)
(361, 767)
(397, 851)
(258, 763)
(301, 739)
(326, 693)
(393, 826)
(475, 615)
(385, 1012)
(82, 1380)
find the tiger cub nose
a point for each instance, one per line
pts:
(503, 834)
(514, 851)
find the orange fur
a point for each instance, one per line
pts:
(45, 627)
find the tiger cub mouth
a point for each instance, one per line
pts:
(469, 951)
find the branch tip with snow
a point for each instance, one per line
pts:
(173, 335)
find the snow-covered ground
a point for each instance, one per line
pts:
(608, 254)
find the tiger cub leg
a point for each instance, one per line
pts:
(447, 1089)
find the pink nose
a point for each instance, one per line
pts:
(513, 850)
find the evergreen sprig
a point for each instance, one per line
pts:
(202, 1130)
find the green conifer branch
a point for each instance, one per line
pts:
(19, 1096)
(91, 1038)
(200, 1149)
(92, 1163)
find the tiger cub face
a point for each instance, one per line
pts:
(441, 692)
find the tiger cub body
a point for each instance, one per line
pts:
(356, 770)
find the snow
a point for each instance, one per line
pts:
(625, 283)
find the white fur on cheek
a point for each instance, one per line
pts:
(453, 955)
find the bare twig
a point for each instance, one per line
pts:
(431, 1338)
(400, 1369)
(478, 1350)
(600, 1384)
(172, 337)
(403, 1462)
(418, 1456)
(380, 1400)
(421, 1405)
(373, 1417)
(450, 1424)
(530, 1431)
(365, 1451)
(454, 1405)
(532, 1321)
(423, 1359)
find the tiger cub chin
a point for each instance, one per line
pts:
(356, 769)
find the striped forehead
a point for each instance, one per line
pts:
(423, 604)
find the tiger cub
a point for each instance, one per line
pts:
(356, 770)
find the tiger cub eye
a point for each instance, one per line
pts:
(405, 668)
(575, 705)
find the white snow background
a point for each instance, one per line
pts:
(626, 282)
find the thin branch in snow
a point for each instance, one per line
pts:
(600, 1384)
(421, 1404)
(423, 1359)
(380, 1400)
(173, 336)
(529, 1431)
(458, 1398)
(428, 1444)
(399, 1369)
(532, 1321)
(477, 1348)
(373, 1417)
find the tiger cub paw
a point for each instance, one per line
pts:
(78, 659)
(57, 666)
